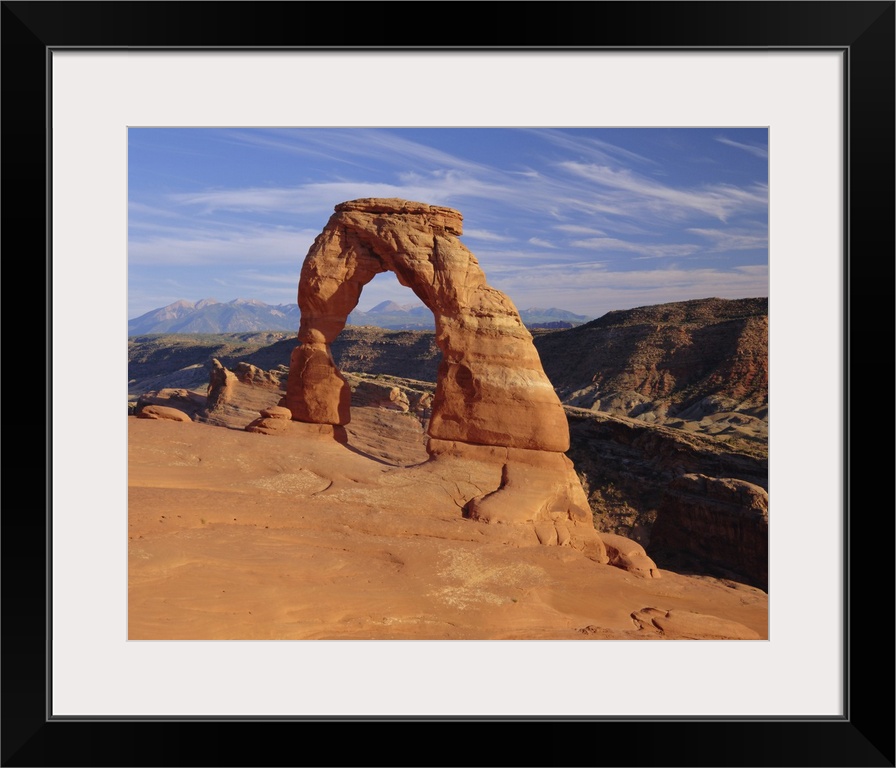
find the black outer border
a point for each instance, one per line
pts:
(863, 30)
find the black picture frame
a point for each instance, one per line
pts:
(864, 31)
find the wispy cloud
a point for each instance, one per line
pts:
(555, 217)
(365, 147)
(751, 148)
(732, 240)
(142, 209)
(578, 229)
(484, 234)
(589, 146)
(439, 188)
(720, 201)
(646, 250)
(267, 246)
(594, 290)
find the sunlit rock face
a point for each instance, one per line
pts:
(491, 387)
(493, 402)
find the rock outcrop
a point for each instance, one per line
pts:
(688, 360)
(492, 399)
(393, 393)
(240, 536)
(221, 382)
(375, 394)
(625, 464)
(688, 625)
(491, 388)
(162, 412)
(181, 360)
(235, 397)
(628, 466)
(250, 374)
(715, 523)
(629, 555)
(181, 400)
(273, 420)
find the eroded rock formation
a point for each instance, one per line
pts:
(271, 420)
(491, 388)
(235, 397)
(374, 393)
(684, 360)
(181, 400)
(717, 522)
(250, 374)
(220, 386)
(493, 401)
(629, 464)
(162, 412)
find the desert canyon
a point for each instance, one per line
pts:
(497, 486)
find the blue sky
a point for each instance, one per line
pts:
(588, 220)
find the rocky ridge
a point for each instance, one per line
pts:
(694, 361)
(721, 524)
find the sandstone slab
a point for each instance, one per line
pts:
(162, 412)
(239, 536)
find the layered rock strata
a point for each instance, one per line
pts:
(717, 522)
(491, 390)
(682, 360)
(628, 465)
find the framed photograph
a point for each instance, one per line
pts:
(818, 76)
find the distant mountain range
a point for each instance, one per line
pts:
(249, 315)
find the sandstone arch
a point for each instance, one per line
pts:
(493, 401)
(491, 388)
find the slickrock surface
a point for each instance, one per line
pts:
(236, 535)
(627, 467)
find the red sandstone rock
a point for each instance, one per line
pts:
(682, 360)
(277, 412)
(239, 536)
(162, 412)
(539, 489)
(491, 387)
(250, 374)
(381, 395)
(220, 386)
(683, 625)
(493, 402)
(629, 555)
(182, 400)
